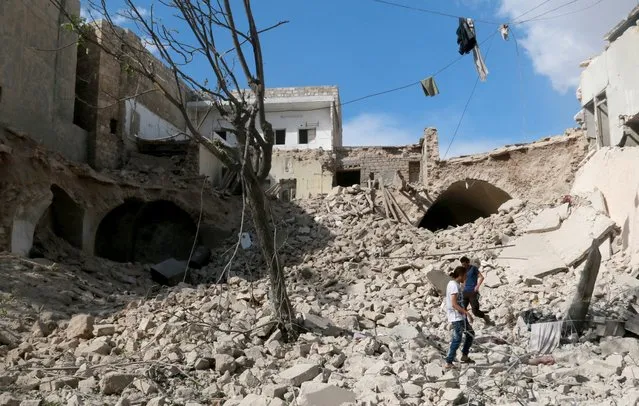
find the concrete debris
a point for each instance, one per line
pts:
(323, 394)
(169, 272)
(541, 254)
(80, 326)
(368, 292)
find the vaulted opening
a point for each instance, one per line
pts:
(143, 232)
(63, 218)
(463, 202)
(348, 178)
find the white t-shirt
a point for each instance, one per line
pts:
(451, 289)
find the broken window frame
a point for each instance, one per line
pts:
(602, 126)
(311, 133)
(221, 133)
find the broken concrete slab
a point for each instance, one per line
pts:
(439, 279)
(510, 205)
(323, 394)
(169, 272)
(546, 220)
(532, 256)
(543, 254)
(299, 374)
(321, 325)
(575, 236)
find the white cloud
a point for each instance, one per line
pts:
(369, 129)
(557, 45)
(125, 16)
(150, 45)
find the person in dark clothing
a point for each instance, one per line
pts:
(474, 279)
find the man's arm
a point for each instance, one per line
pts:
(480, 280)
(460, 309)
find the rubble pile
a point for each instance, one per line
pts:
(372, 328)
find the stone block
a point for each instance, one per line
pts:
(299, 374)
(323, 394)
(80, 326)
(113, 383)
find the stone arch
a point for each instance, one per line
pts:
(463, 202)
(147, 232)
(56, 211)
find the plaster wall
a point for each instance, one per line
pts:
(613, 171)
(309, 169)
(148, 125)
(615, 72)
(291, 121)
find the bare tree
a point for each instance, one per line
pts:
(200, 29)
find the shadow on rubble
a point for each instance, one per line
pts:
(59, 280)
(62, 281)
(298, 238)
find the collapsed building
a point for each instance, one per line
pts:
(366, 234)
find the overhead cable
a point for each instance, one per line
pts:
(472, 93)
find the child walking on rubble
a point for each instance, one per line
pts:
(474, 279)
(459, 318)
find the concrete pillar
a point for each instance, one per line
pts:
(90, 226)
(430, 153)
(25, 221)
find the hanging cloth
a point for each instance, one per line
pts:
(429, 86)
(504, 30)
(545, 337)
(466, 36)
(482, 70)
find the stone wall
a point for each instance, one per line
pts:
(113, 82)
(302, 91)
(29, 173)
(383, 162)
(37, 74)
(541, 171)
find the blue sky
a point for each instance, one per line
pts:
(365, 47)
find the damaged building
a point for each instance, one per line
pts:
(609, 88)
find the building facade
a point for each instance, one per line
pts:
(609, 88)
(124, 112)
(37, 75)
(303, 118)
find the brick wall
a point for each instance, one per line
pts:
(302, 91)
(383, 162)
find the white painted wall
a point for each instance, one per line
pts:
(152, 126)
(293, 121)
(613, 171)
(615, 71)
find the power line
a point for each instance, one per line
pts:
(435, 12)
(532, 9)
(568, 3)
(442, 69)
(461, 118)
(564, 14)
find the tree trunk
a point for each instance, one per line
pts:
(261, 215)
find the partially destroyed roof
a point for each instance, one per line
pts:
(623, 25)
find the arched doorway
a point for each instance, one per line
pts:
(143, 232)
(463, 202)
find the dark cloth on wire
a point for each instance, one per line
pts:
(429, 86)
(466, 38)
